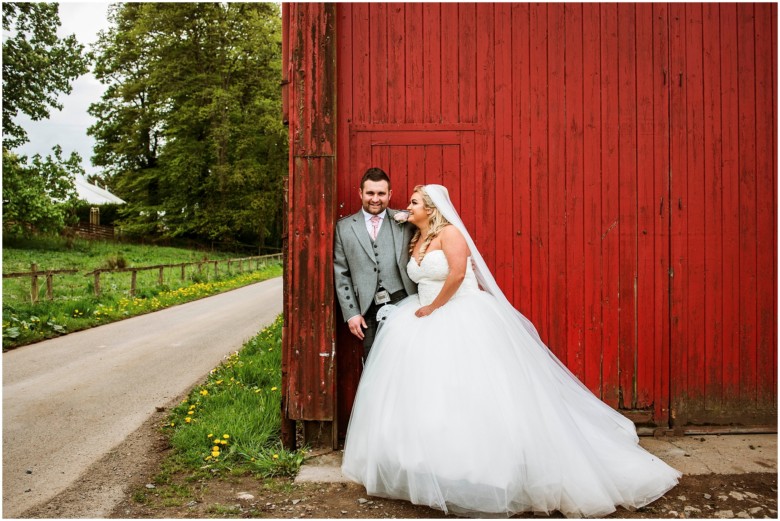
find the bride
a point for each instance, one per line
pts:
(461, 407)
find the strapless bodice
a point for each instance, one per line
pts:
(431, 273)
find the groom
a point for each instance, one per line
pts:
(370, 256)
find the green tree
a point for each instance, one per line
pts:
(190, 127)
(37, 65)
(39, 196)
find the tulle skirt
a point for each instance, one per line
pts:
(464, 411)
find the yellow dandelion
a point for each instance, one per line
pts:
(226, 436)
(210, 436)
(273, 388)
(215, 454)
(188, 419)
(215, 448)
(190, 412)
(204, 392)
(276, 456)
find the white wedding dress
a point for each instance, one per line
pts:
(466, 411)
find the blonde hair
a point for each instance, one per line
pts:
(436, 220)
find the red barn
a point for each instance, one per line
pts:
(615, 163)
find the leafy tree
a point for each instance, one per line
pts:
(37, 65)
(189, 129)
(39, 196)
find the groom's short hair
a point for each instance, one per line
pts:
(375, 174)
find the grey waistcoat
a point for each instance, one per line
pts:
(389, 278)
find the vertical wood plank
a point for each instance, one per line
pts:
(433, 164)
(467, 63)
(468, 168)
(627, 203)
(415, 159)
(539, 171)
(347, 184)
(748, 289)
(451, 172)
(484, 139)
(399, 176)
(609, 203)
(449, 62)
(432, 61)
(766, 224)
(396, 46)
(679, 229)
(503, 196)
(693, 205)
(377, 63)
(575, 190)
(361, 27)
(414, 63)
(730, 212)
(645, 232)
(774, 181)
(661, 212)
(521, 156)
(713, 204)
(558, 194)
(592, 102)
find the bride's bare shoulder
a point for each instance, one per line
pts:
(452, 234)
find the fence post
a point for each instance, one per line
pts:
(182, 271)
(132, 283)
(216, 272)
(160, 277)
(49, 289)
(34, 289)
(97, 283)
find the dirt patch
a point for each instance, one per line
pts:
(120, 486)
(747, 495)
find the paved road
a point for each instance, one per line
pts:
(70, 400)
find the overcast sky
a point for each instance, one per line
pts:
(68, 127)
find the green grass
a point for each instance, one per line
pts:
(232, 421)
(75, 307)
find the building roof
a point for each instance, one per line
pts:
(93, 194)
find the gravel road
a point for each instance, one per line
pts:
(68, 401)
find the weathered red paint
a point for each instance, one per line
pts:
(309, 365)
(616, 164)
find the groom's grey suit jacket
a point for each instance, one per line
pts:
(355, 263)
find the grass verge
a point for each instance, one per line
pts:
(227, 427)
(75, 307)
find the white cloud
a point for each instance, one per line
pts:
(68, 127)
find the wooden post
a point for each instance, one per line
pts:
(97, 283)
(132, 283)
(34, 289)
(216, 272)
(49, 289)
(160, 277)
(182, 271)
(229, 263)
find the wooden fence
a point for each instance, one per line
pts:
(34, 273)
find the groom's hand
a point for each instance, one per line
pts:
(356, 326)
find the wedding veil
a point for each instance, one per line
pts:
(441, 199)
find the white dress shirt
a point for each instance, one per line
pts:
(370, 226)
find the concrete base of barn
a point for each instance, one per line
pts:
(692, 455)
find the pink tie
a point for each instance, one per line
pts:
(375, 220)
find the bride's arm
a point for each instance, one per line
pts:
(457, 252)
